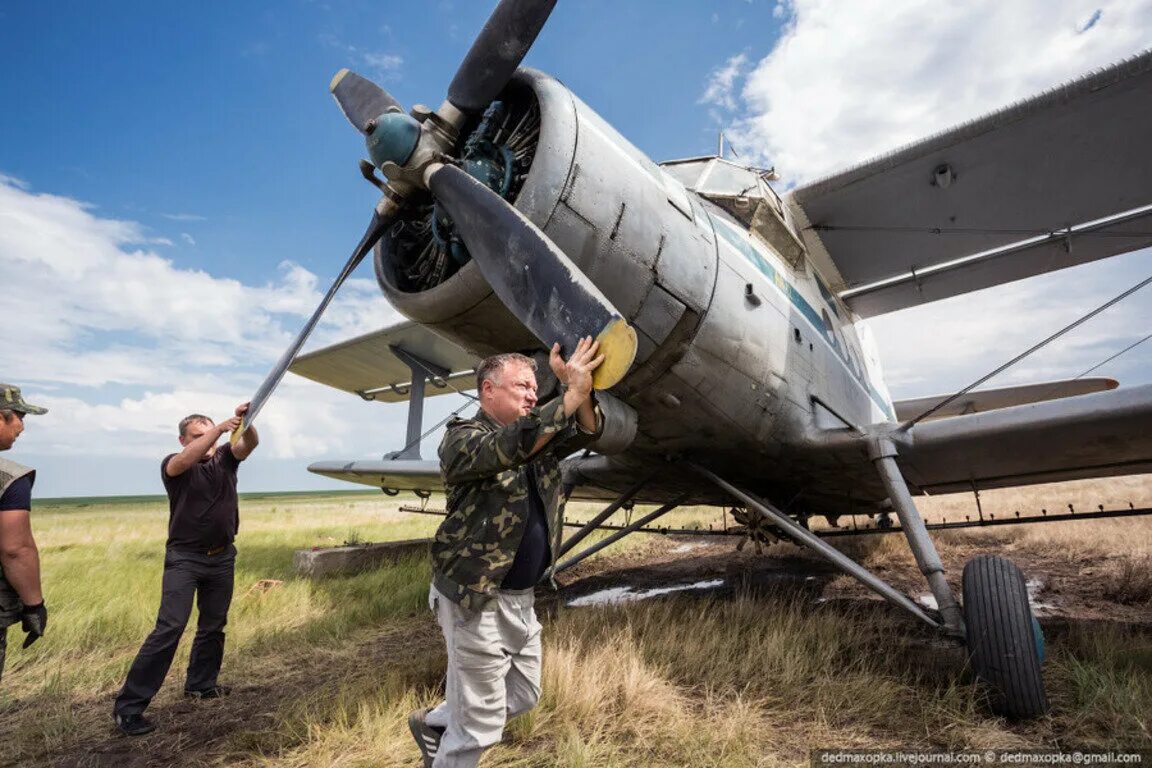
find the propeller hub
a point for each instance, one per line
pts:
(392, 139)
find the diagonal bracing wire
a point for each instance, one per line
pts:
(1113, 357)
(912, 422)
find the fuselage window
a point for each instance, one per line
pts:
(830, 329)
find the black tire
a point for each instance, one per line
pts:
(1002, 643)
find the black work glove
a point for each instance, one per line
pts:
(33, 620)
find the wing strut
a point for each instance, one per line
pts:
(1079, 321)
(421, 371)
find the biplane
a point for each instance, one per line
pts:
(740, 370)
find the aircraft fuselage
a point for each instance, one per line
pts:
(743, 354)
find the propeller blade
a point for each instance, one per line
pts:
(532, 276)
(379, 224)
(360, 99)
(497, 52)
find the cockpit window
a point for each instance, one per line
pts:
(745, 195)
(687, 173)
(729, 180)
(829, 299)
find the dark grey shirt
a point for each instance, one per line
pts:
(203, 510)
(532, 555)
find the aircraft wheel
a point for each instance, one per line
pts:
(1003, 641)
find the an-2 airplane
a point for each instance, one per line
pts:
(739, 370)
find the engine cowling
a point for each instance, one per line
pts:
(634, 230)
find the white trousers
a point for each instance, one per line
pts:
(493, 673)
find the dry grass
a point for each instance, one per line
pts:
(329, 670)
(748, 682)
(1129, 581)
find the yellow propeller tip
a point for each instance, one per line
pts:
(618, 345)
(336, 80)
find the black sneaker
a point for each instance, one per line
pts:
(133, 725)
(215, 692)
(427, 736)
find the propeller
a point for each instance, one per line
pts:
(535, 279)
(528, 272)
(497, 52)
(360, 99)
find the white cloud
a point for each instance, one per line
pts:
(12, 181)
(184, 216)
(718, 91)
(120, 341)
(849, 81)
(387, 62)
(304, 420)
(187, 238)
(380, 65)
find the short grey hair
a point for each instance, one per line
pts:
(193, 419)
(490, 368)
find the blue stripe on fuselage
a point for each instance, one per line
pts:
(798, 301)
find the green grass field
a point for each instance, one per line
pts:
(327, 670)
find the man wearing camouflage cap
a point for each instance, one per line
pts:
(505, 507)
(21, 599)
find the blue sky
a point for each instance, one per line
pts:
(151, 110)
(183, 188)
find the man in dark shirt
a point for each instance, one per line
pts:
(21, 598)
(199, 562)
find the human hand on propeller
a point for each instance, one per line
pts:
(575, 374)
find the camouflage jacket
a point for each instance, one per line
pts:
(484, 467)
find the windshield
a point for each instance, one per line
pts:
(686, 173)
(729, 180)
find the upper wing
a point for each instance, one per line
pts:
(370, 366)
(1058, 180)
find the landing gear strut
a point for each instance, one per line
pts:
(996, 624)
(882, 451)
(997, 627)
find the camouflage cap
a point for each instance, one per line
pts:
(11, 400)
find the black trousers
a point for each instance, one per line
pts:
(208, 578)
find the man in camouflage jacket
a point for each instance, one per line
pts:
(503, 530)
